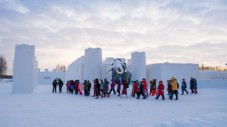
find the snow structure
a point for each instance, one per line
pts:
(106, 65)
(25, 70)
(76, 70)
(138, 65)
(165, 71)
(212, 75)
(93, 64)
(47, 77)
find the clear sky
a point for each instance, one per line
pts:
(179, 31)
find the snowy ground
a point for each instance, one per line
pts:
(45, 109)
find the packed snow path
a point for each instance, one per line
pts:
(45, 109)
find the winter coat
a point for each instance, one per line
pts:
(55, 83)
(191, 83)
(170, 90)
(60, 83)
(144, 84)
(76, 86)
(161, 88)
(136, 87)
(174, 84)
(153, 85)
(97, 86)
(86, 85)
(183, 85)
(194, 84)
(124, 90)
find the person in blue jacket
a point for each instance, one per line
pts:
(183, 87)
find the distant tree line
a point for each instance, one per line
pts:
(212, 68)
(3, 66)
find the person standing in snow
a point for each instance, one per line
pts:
(54, 83)
(160, 91)
(174, 87)
(144, 82)
(183, 87)
(60, 84)
(76, 86)
(89, 88)
(195, 86)
(105, 87)
(101, 87)
(98, 85)
(169, 89)
(86, 85)
(191, 85)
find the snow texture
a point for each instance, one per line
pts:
(138, 65)
(46, 109)
(25, 72)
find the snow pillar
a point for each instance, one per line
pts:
(138, 65)
(25, 70)
(92, 64)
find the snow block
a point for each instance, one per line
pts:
(47, 77)
(165, 71)
(75, 70)
(25, 71)
(93, 64)
(138, 65)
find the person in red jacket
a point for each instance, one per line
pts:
(160, 90)
(144, 82)
(76, 86)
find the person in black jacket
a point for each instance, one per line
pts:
(98, 85)
(60, 83)
(54, 86)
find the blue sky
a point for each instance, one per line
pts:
(178, 31)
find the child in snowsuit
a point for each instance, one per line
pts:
(160, 90)
(71, 87)
(81, 87)
(144, 82)
(183, 87)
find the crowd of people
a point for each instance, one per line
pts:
(103, 88)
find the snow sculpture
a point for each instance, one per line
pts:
(25, 72)
(120, 72)
(138, 65)
(93, 64)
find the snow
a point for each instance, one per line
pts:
(46, 109)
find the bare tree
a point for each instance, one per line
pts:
(3, 66)
(61, 67)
